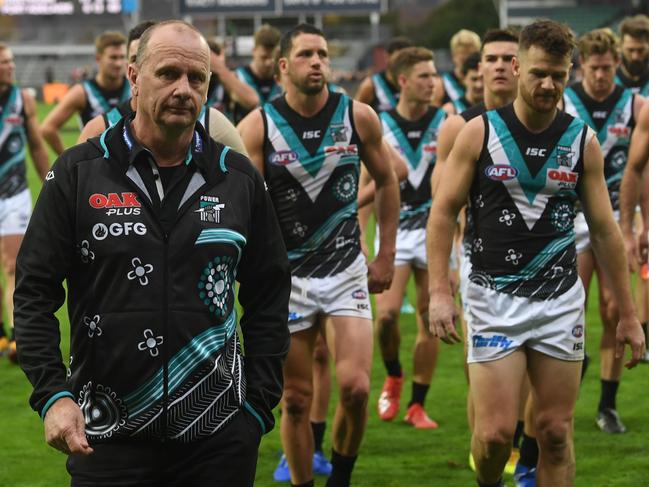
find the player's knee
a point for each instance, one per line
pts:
(553, 436)
(495, 437)
(321, 356)
(9, 267)
(296, 403)
(387, 323)
(354, 392)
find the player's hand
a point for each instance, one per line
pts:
(630, 332)
(643, 247)
(442, 314)
(632, 251)
(65, 428)
(379, 274)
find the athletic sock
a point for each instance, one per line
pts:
(608, 395)
(341, 469)
(644, 329)
(497, 484)
(13, 335)
(419, 392)
(518, 434)
(305, 484)
(318, 434)
(529, 452)
(393, 367)
(2, 330)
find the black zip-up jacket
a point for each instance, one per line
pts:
(154, 347)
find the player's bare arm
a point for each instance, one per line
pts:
(365, 92)
(34, 139)
(73, 102)
(608, 245)
(251, 129)
(374, 154)
(447, 134)
(92, 129)
(632, 180)
(367, 189)
(240, 92)
(447, 203)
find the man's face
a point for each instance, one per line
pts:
(599, 72)
(635, 54)
(262, 61)
(542, 77)
(7, 67)
(132, 50)
(171, 81)
(418, 84)
(496, 67)
(112, 62)
(307, 65)
(474, 85)
(460, 54)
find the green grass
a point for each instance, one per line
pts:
(392, 454)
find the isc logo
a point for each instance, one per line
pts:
(535, 152)
(311, 134)
(501, 172)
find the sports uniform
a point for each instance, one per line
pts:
(99, 100)
(524, 287)
(453, 87)
(15, 198)
(639, 86)
(386, 95)
(312, 168)
(613, 121)
(417, 142)
(266, 89)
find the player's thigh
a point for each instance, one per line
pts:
(421, 291)
(390, 300)
(350, 341)
(298, 367)
(555, 386)
(495, 390)
(586, 267)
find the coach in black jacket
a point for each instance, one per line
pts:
(151, 224)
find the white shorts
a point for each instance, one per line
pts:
(344, 294)
(410, 248)
(500, 323)
(15, 213)
(465, 272)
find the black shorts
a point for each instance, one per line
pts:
(226, 459)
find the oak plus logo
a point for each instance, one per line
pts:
(116, 204)
(101, 231)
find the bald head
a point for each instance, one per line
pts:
(163, 33)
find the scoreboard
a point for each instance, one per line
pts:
(60, 7)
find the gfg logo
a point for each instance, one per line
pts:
(501, 172)
(101, 231)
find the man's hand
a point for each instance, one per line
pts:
(379, 274)
(632, 250)
(629, 332)
(442, 314)
(65, 428)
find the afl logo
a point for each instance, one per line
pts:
(578, 331)
(500, 172)
(283, 157)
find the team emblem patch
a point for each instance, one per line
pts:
(564, 156)
(210, 209)
(338, 132)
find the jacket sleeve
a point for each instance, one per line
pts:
(265, 286)
(42, 265)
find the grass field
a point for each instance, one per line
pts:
(392, 455)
